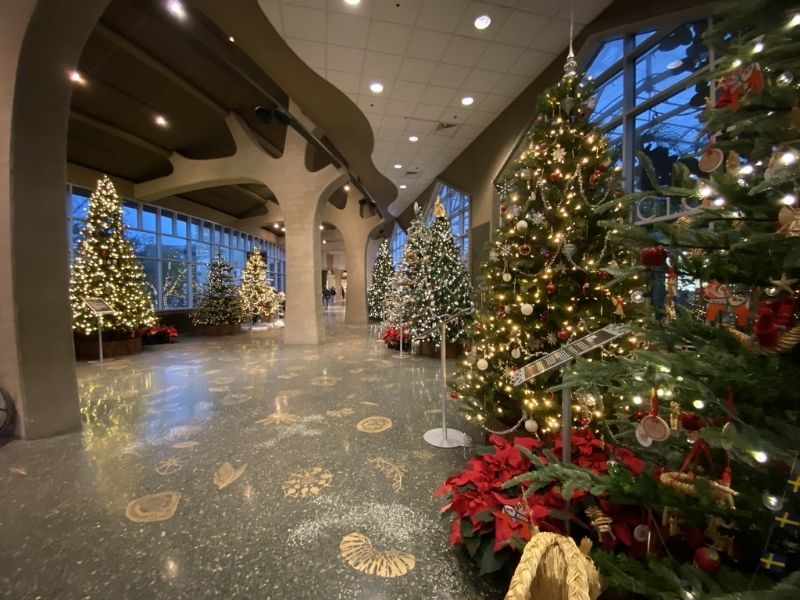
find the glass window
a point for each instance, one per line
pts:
(174, 284)
(609, 101)
(671, 60)
(196, 230)
(643, 36)
(181, 222)
(456, 205)
(166, 222)
(201, 253)
(226, 237)
(130, 214)
(79, 203)
(217, 234)
(151, 272)
(609, 54)
(173, 248)
(144, 244)
(149, 217)
(396, 245)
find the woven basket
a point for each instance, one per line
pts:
(554, 568)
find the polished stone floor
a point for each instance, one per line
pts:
(239, 468)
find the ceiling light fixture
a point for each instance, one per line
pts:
(321, 227)
(231, 39)
(275, 226)
(76, 77)
(376, 87)
(283, 229)
(346, 187)
(403, 186)
(413, 138)
(161, 121)
(467, 100)
(398, 166)
(483, 22)
(324, 241)
(353, 2)
(176, 9)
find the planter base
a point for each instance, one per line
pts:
(451, 350)
(215, 330)
(87, 349)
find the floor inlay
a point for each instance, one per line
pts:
(300, 485)
(227, 474)
(153, 507)
(374, 424)
(357, 551)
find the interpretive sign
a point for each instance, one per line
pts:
(563, 355)
(98, 306)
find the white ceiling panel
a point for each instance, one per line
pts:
(342, 58)
(428, 55)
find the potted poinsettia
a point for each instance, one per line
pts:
(391, 337)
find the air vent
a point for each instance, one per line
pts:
(411, 173)
(442, 125)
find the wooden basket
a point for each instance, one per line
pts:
(554, 568)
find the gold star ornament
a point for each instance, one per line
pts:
(784, 283)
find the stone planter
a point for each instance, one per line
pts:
(86, 348)
(224, 329)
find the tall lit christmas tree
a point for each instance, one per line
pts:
(106, 267)
(709, 401)
(409, 273)
(258, 300)
(219, 302)
(381, 280)
(445, 288)
(549, 262)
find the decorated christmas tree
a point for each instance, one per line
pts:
(258, 300)
(381, 280)
(691, 488)
(105, 267)
(549, 262)
(409, 274)
(219, 302)
(445, 288)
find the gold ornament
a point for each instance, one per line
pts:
(600, 521)
(553, 566)
(671, 518)
(674, 415)
(732, 164)
(357, 551)
(438, 208)
(720, 541)
(784, 283)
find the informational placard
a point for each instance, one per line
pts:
(563, 355)
(98, 306)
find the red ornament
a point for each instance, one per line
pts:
(524, 250)
(454, 395)
(595, 176)
(605, 275)
(551, 288)
(543, 317)
(653, 256)
(563, 335)
(707, 559)
(555, 176)
(546, 255)
(737, 83)
(503, 208)
(764, 328)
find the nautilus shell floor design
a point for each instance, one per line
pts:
(238, 467)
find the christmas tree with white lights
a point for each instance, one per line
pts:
(381, 280)
(445, 288)
(106, 267)
(219, 297)
(258, 300)
(409, 273)
(549, 261)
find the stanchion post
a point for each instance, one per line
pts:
(100, 336)
(444, 379)
(566, 421)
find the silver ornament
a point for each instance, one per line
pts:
(531, 425)
(522, 226)
(569, 250)
(785, 78)
(482, 364)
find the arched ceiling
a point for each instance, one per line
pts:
(428, 55)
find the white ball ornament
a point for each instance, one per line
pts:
(506, 277)
(482, 364)
(526, 309)
(515, 353)
(531, 426)
(522, 226)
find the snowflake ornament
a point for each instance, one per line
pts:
(559, 154)
(536, 218)
(551, 338)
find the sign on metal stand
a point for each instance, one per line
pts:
(99, 307)
(444, 437)
(562, 357)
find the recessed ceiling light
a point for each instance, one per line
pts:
(413, 138)
(231, 39)
(483, 22)
(283, 228)
(467, 100)
(353, 2)
(176, 9)
(324, 241)
(346, 187)
(76, 77)
(398, 166)
(275, 226)
(321, 227)
(403, 186)
(376, 87)
(161, 121)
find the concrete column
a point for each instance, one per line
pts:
(304, 323)
(40, 41)
(338, 277)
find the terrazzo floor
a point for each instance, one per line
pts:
(239, 468)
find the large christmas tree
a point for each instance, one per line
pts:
(106, 267)
(218, 303)
(381, 280)
(695, 488)
(409, 273)
(258, 300)
(544, 282)
(445, 288)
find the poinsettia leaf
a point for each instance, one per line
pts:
(518, 543)
(466, 528)
(472, 545)
(490, 562)
(485, 515)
